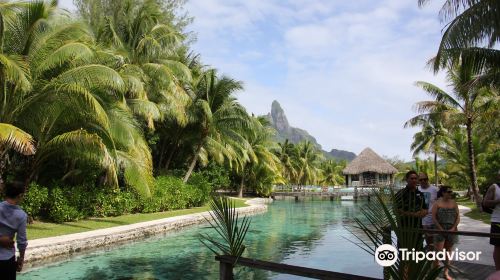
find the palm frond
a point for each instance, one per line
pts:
(230, 229)
(17, 139)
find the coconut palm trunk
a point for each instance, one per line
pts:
(193, 163)
(436, 169)
(242, 183)
(472, 161)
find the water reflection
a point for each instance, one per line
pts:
(305, 233)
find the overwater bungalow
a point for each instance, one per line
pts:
(368, 169)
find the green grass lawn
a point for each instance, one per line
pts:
(42, 229)
(475, 213)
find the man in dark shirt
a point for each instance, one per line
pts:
(410, 203)
(410, 208)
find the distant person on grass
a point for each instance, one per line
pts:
(12, 223)
(446, 217)
(492, 199)
(430, 195)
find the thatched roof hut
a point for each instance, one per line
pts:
(369, 169)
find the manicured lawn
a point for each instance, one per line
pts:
(475, 213)
(42, 229)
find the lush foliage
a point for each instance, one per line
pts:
(94, 108)
(70, 203)
(461, 126)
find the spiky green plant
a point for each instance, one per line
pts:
(380, 215)
(230, 229)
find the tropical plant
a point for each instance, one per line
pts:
(332, 173)
(258, 165)
(216, 118)
(429, 139)
(230, 229)
(470, 24)
(288, 154)
(308, 162)
(455, 152)
(461, 107)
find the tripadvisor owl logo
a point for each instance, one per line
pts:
(386, 255)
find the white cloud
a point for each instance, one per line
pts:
(343, 70)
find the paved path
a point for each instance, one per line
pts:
(484, 266)
(473, 243)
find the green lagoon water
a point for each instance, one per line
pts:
(306, 233)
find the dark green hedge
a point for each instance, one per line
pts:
(59, 203)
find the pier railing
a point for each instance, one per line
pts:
(227, 263)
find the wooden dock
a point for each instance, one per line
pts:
(336, 195)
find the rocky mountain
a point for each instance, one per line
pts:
(278, 121)
(340, 154)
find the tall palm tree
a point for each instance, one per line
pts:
(308, 163)
(73, 104)
(217, 117)
(143, 49)
(332, 172)
(287, 154)
(14, 81)
(461, 107)
(258, 163)
(429, 139)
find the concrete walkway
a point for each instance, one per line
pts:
(485, 266)
(39, 250)
(472, 243)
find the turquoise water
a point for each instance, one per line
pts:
(310, 233)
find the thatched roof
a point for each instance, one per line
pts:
(369, 161)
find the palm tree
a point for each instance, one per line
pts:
(72, 104)
(429, 139)
(462, 107)
(258, 162)
(455, 152)
(308, 163)
(14, 81)
(287, 154)
(332, 172)
(470, 23)
(217, 117)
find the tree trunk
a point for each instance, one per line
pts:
(193, 163)
(472, 164)
(242, 184)
(3, 165)
(436, 169)
(170, 156)
(162, 152)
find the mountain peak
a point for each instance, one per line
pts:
(279, 121)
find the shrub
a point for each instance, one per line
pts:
(58, 208)
(113, 203)
(35, 200)
(218, 176)
(198, 190)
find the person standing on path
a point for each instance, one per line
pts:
(430, 195)
(446, 217)
(492, 199)
(12, 223)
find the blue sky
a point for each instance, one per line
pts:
(342, 70)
